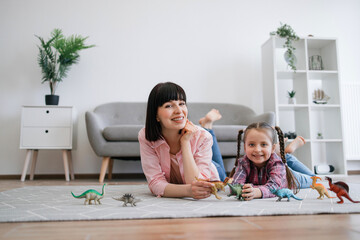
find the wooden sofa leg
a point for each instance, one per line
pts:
(104, 167)
(111, 164)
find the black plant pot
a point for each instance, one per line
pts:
(52, 99)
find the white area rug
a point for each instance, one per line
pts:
(55, 203)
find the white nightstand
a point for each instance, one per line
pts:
(46, 127)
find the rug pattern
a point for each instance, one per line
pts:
(55, 203)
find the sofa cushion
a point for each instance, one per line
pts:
(227, 133)
(122, 132)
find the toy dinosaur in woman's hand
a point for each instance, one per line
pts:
(218, 185)
(341, 189)
(320, 188)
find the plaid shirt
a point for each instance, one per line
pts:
(272, 175)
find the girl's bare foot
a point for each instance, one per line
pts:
(212, 116)
(298, 142)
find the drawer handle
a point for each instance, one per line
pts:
(47, 111)
(46, 131)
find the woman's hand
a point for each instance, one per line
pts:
(200, 190)
(187, 132)
(249, 192)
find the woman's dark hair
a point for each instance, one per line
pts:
(160, 94)
(293, 183)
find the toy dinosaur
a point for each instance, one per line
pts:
(91, 195)
(236, 189)
(284, 193)
(341, 189)
(218, 185)
(128, 198)
(320, 188)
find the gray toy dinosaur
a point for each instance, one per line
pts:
(284, 193)
(91, 195)
(236, 189)
(128, 198)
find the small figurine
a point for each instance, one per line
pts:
(236, 189)
(320, 188)
(128, 198)
(319, 97)
(284, 193)
(341, 189)
(218, 185)
(91, 195)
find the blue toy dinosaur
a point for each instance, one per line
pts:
(284, 193)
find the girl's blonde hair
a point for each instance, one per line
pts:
(293, 183)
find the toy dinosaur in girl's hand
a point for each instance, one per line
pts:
(320, 188)
(341, 189)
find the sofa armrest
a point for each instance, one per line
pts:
(94, 128)
(268, 117)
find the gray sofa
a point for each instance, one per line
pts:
(113, 128)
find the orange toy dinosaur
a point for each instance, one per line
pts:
(320, 188)
(218, 185)
(341, 189)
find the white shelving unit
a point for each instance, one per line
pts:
(306, 118)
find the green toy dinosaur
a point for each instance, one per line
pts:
(91, 195)
(284, 193)
(236, 189)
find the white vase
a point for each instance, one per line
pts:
(292, 100)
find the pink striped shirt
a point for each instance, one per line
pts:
(156, 163)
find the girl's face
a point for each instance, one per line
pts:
(172, 115)
(258, 146)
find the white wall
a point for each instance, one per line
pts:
(210, 47)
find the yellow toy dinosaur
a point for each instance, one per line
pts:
(218, 185)
(320, 188)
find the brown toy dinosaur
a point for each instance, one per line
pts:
(218, 185)
(341, 189)
(320, 188)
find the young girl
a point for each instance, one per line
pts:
(173, 150)
(262, 169)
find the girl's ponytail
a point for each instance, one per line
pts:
(292, 182)
(238, 153)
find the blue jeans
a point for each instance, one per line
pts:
(217, 159)
(300, 171)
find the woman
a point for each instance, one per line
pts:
(173, 150)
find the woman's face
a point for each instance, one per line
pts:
(172, 115)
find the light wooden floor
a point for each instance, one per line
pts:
(338, 226)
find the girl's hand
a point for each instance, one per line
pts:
(188, 131)
(200, 190)
(249, 192)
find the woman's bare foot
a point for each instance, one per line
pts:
(210, 117)
(298, 142)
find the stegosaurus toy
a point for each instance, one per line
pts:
(284, 193)
(236, 189)
(91, 195)
(128, 198)
(341, 189)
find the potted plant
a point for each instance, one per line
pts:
(56, 57)
(286, 31)
(291, 96)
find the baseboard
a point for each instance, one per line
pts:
(77, 176)
(354, 172)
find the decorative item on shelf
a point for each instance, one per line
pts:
(319, 97)
(324, 169)
(319, 135)
(56, 57)
(310, 35)
(290, 135)
(286, 31)
(316, 63)
(291, 96)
